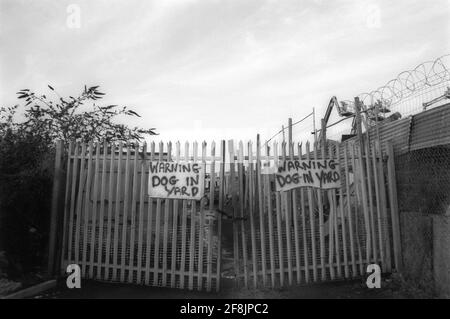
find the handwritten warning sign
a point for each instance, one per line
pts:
(292, 174)
(176, 180)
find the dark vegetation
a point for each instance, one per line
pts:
(27, 143)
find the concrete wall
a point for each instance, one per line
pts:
(416, 232)
(441, 255)
(425, 241)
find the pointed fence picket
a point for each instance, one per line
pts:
(116, 232)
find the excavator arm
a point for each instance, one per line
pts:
(343, 109)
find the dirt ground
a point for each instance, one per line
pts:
(334, 290)
(391, 287)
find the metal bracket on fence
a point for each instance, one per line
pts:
(224, 213)
(229, 216)
(236, 219)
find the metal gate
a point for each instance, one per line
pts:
(115, 232)
(309, 234)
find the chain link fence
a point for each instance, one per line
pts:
(423, 192)
(423, 180)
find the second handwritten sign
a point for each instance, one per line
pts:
(292, 174)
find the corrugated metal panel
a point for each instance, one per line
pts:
(397, 132)
(431, 128)
(428, 129)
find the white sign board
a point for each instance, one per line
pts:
(176, 180)
(292, 174)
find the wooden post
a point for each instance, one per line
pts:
(56, 191)
(394, 207)
(290, 133)
(324, 133)
(314, 125)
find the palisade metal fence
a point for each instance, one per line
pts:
(308, 234)
(116, 232)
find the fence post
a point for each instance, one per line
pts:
(323, 132)
(54, 208)
(393, 204)
(290, 132)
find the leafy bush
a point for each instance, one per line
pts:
(66, 119)
(25, 186)
(26, 163)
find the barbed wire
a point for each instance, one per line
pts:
(407, 84)
(405, 94)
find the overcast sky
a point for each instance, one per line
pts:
(217, 69)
